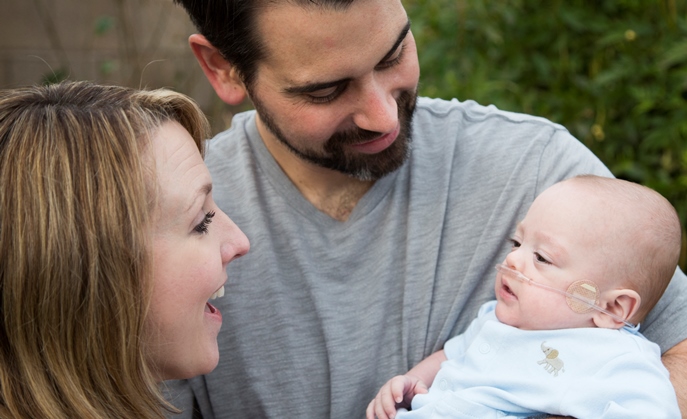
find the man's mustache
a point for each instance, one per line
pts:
(353, 136)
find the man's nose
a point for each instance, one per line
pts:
(376, 109)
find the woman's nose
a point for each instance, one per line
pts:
(235, 243)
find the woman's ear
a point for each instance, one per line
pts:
(623, 303)
(222, 74)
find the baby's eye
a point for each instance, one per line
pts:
(541, 258)
(514, 244)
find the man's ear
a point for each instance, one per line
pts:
(623, 303)
(222, 74)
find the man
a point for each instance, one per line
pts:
(375, 220)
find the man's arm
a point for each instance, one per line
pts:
(675, 360)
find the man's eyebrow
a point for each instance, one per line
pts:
(314, 87)
(401, 37)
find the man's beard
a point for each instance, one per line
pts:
(355, 164)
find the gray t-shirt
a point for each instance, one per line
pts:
(321, 313)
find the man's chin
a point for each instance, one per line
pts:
(338, 156)
(377, 166)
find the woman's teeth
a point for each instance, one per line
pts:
(218, 293)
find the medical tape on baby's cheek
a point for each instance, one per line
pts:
(581, 296)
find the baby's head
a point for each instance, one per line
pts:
(623, 237)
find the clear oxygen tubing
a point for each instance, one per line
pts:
(579, 294)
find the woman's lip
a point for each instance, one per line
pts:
(378, 144)
(222, 286)
(212, 312)
(219, 292)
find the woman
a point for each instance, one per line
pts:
(110, 247)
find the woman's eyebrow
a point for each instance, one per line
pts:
(202, 192)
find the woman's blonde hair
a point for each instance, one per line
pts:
(76, 202)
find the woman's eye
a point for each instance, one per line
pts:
(202, 227)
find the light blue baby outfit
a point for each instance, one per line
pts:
(495, 370)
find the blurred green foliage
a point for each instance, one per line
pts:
(614, 72)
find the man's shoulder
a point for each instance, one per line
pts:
(233, 162)
(231, 143)
(484, 132)
(471, 111)
(239, 128)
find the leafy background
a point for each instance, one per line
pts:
(613, 72)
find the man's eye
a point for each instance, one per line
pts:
(326, 95)
(393, 60)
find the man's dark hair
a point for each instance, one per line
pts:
(230, 26)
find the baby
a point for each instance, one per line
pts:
(591, 258)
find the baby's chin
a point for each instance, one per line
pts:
(511, 318)
(505, 316)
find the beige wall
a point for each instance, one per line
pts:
(140, 43)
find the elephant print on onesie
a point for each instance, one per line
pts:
(552, 363)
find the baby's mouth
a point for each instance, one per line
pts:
(508, 290)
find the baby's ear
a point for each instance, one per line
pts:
(623, 303)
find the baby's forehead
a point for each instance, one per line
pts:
(574, 190)
(571, 224)
(586, 203)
